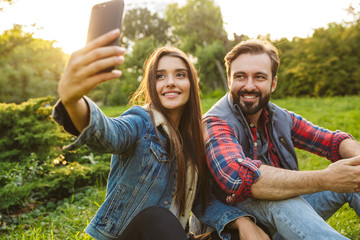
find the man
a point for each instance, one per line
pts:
(250, 151)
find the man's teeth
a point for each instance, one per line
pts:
(169, 94)
(249, 97)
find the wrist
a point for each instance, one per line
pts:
(240, 222)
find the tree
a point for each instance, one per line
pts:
(140, 23)
(325, 64)
(29, 67)
(211, 68)
(198, 23)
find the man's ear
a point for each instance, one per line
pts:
(273, 84)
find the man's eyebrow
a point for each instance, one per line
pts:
(262, 73)
(257, 73)
(238, 72)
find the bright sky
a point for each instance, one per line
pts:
(66, 21)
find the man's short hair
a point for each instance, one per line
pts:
(254, 47)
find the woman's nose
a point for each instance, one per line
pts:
(170, 81)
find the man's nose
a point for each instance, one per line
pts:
(249, 85)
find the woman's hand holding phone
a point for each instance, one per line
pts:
(83, 73)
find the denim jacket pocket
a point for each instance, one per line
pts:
(159, 152)
(108, 209)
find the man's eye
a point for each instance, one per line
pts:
(239, 77)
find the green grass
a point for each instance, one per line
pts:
(68, 218)
(64, 220)
(112, 111)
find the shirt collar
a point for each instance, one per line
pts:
(159, 119)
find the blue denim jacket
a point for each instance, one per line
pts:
(140, 171)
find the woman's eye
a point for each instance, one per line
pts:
(160, 76)
(181, 75)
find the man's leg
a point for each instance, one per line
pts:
(327, 203)
(293, 218)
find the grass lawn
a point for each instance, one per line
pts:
(68, 218)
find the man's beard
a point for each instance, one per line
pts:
(250, 108)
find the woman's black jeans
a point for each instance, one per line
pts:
(158, 223)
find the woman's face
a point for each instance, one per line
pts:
(172, 85)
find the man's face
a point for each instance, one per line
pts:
(251, 83)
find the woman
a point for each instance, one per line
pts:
(158, 163)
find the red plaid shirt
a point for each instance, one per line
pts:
(235, 173)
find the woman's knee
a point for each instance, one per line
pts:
(159, 223)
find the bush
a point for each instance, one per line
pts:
(27, 128)
(33, 165)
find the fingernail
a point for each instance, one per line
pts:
(116, 72)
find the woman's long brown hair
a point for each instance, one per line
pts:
(186, 141)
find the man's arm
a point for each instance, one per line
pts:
(341, 176)
(241, 177)
(349, 148)
(275, 183)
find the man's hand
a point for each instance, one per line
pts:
(248, 230)
(343, 176)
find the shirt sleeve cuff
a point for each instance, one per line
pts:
(249, 178)
(335, 146)
(61, 116)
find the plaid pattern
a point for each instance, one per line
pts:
(274, 159)
(315, 139)
(232, 170)
(235, 173)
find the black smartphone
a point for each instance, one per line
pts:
(105, 17)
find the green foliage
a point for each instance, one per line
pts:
(64, 219)
(211, 70)
(140, 23)
(33, 166)
(27, 128)
(324, 65)
(29, 68)
(59, 183)
(190, 29)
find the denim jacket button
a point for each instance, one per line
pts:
(166, 203)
